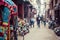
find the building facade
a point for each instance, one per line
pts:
(54, 11)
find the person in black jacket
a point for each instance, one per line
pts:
(38, 21)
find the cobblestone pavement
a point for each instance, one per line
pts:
(42, 33)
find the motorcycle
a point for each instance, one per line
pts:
(57, 31)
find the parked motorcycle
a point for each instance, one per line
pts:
(57, 31)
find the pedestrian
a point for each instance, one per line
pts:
(32, 22)
(44, 22)
(38, 21)
(41, 18)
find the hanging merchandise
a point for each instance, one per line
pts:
(3, 35)
(14, 24)
(7, 8)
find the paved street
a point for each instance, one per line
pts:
(42, 33)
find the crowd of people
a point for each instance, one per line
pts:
(39, 19)
(42, 19)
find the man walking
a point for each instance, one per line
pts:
(38, 21)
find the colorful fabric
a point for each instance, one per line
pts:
(5, 14)
(5, 23)
(10, 2)
(1, 29)
(1, 38)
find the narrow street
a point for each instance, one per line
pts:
(17, 17)
(42, 33)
